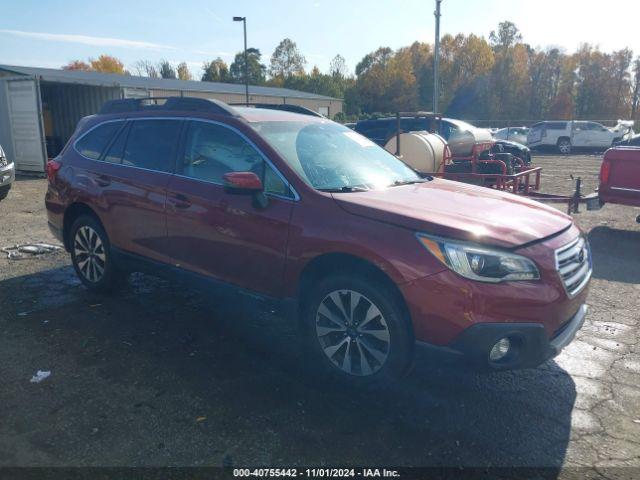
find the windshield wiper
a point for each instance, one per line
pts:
(345, 189)
(397, 183)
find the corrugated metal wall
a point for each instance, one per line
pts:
(64, 104)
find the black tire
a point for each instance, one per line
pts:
(4, 191)
(98, 259)
(374, 295)
(564, 146)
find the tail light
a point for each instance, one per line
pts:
(52, 169)
(605, 171)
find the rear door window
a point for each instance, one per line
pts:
(151, 144)
(93, 143)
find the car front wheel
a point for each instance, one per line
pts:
(91, 254)
(357, 330)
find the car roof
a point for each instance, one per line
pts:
(257, 114)
(183, 106)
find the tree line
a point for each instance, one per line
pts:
(499, 78)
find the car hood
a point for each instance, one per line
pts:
(460, 211)
(510, 144)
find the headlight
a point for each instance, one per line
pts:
(480, 263)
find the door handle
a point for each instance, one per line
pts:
(103, 180)
(180, 201)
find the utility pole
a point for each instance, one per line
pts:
(436, 59)
(246, 60)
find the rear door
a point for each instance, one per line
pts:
(580, 134)
(133, 177)
(26, 147)
(224, 235)
(624, 177)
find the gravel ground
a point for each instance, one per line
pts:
(160, 375)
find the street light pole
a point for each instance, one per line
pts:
(436, 59)
(246, 62)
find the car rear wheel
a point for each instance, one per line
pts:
(91, 255)
(357, 331)
(564, 146)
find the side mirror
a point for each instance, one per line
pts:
(242, 182)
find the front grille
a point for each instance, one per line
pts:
(3, 162)
(573, 262)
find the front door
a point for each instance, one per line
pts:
(601, 136)
(223, 235)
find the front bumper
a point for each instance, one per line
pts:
(530, 344)
(7, 174)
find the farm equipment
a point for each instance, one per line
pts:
(482, 166)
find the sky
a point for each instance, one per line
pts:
(52, 33)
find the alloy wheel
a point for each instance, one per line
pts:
(352, 332)
(89, 254)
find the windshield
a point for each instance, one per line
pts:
(329, 156)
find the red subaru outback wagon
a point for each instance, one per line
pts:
(372, 258)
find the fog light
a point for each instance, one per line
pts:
(500, 349)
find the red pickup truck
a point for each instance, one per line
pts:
(620, 177)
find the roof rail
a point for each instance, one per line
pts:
(286, 107)
(188, 104)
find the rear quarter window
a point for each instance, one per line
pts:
(92, 144)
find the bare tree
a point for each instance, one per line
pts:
(635, 103)
(338, 67)
(144, 68)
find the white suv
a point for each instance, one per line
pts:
(7, 174)
(565, 135)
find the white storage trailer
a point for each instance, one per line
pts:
(40, 107)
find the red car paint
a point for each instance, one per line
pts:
(620, 176)
(200, 227)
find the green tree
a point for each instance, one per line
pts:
(183, 71)
(506, 36)
(215, 71)
(166, 70)
(386, 81)
(287, 61)
(256, 70)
